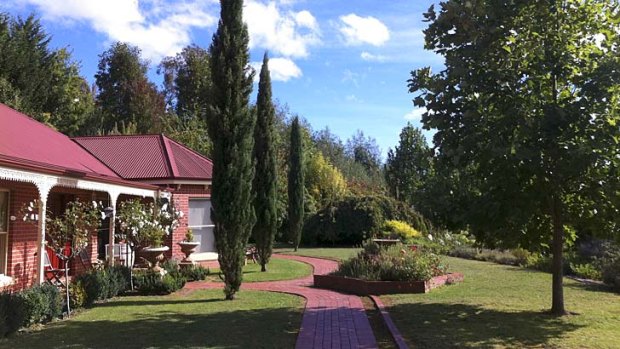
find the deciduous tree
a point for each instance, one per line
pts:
(528, 100)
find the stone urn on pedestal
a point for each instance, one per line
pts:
(188, 246)
(154, 255)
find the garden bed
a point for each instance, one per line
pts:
(363, 287)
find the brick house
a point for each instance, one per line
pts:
(37, 162)
(160, 161)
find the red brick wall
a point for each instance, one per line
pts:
(21, 262)
(181, 199)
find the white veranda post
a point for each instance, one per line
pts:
(43, 194)
(111, 233)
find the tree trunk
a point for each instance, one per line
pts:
(68, 297)
(557, 307)
(263, 267)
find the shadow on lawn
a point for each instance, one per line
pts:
(438, 325)
(261, 328)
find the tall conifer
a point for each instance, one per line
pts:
(231, 128)
(265, 180)
(296, 184)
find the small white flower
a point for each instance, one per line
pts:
(94, 203)
(430, 237)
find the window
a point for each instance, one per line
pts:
(4, 229)
(201, 225)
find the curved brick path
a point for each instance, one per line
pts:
(331, 319)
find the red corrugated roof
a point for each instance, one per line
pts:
(25, 142)
(148, 157)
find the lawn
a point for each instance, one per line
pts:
(277, 269)
(500, 306)
(199, 320)
(335, 253)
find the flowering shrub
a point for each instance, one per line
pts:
(400, 230)
(147, 224)
(73, 227)
(394, 263)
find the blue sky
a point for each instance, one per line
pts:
(338, 63)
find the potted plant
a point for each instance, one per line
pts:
(154, 251)
(188, 246)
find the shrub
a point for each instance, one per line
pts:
(12, 313)
(394, 263)
(104, 284)
(195, 273)
(77, 295)
(609, 265)
(354, 219)
(170, 265)
(586, 271)
(400, 230)
(42, 304)
(153, 283)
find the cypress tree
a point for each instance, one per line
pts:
(231, 126)
(296, 184)
(265, 180)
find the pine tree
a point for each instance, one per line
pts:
(296, 184)
(231, 127)
(265, 180)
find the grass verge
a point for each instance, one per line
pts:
(334, 253)
(277, 269)
(499, 306)
(199, 320)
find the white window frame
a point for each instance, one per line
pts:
(5, 234)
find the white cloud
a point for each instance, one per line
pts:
(353, 98)
(358, 30)
(367, 56)
(415, 114)
(285, 33)
(349, 76)
(281, 69)
(159, 28)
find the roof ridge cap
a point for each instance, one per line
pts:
(170, 159)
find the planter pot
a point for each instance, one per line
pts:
(188, 247)
(365, 288)
(154, 255)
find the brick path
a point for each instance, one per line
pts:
(331, 319)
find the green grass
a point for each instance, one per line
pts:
(277, 269)
(499, 306)
(335, 253)
(201, 320)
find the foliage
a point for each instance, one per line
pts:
(77, 295)
(12, 313)
(69, 233)
(356, 173)
(586, 271)
(395, 229)
(524, 102)
(408, 167)
(145, 225)
(189, 235)
(153, 283)
(324, 182)
(41, 81)
(266, 176)
(42, 303)
(394, 263)
(194, 273)
(125, 95)
(296, 185)
(354, 219)
(231, 125)
(104, 284)
(609, 266)
(187, 83)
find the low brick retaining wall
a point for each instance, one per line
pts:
(364, 288)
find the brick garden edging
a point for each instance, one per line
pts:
(365, 288)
